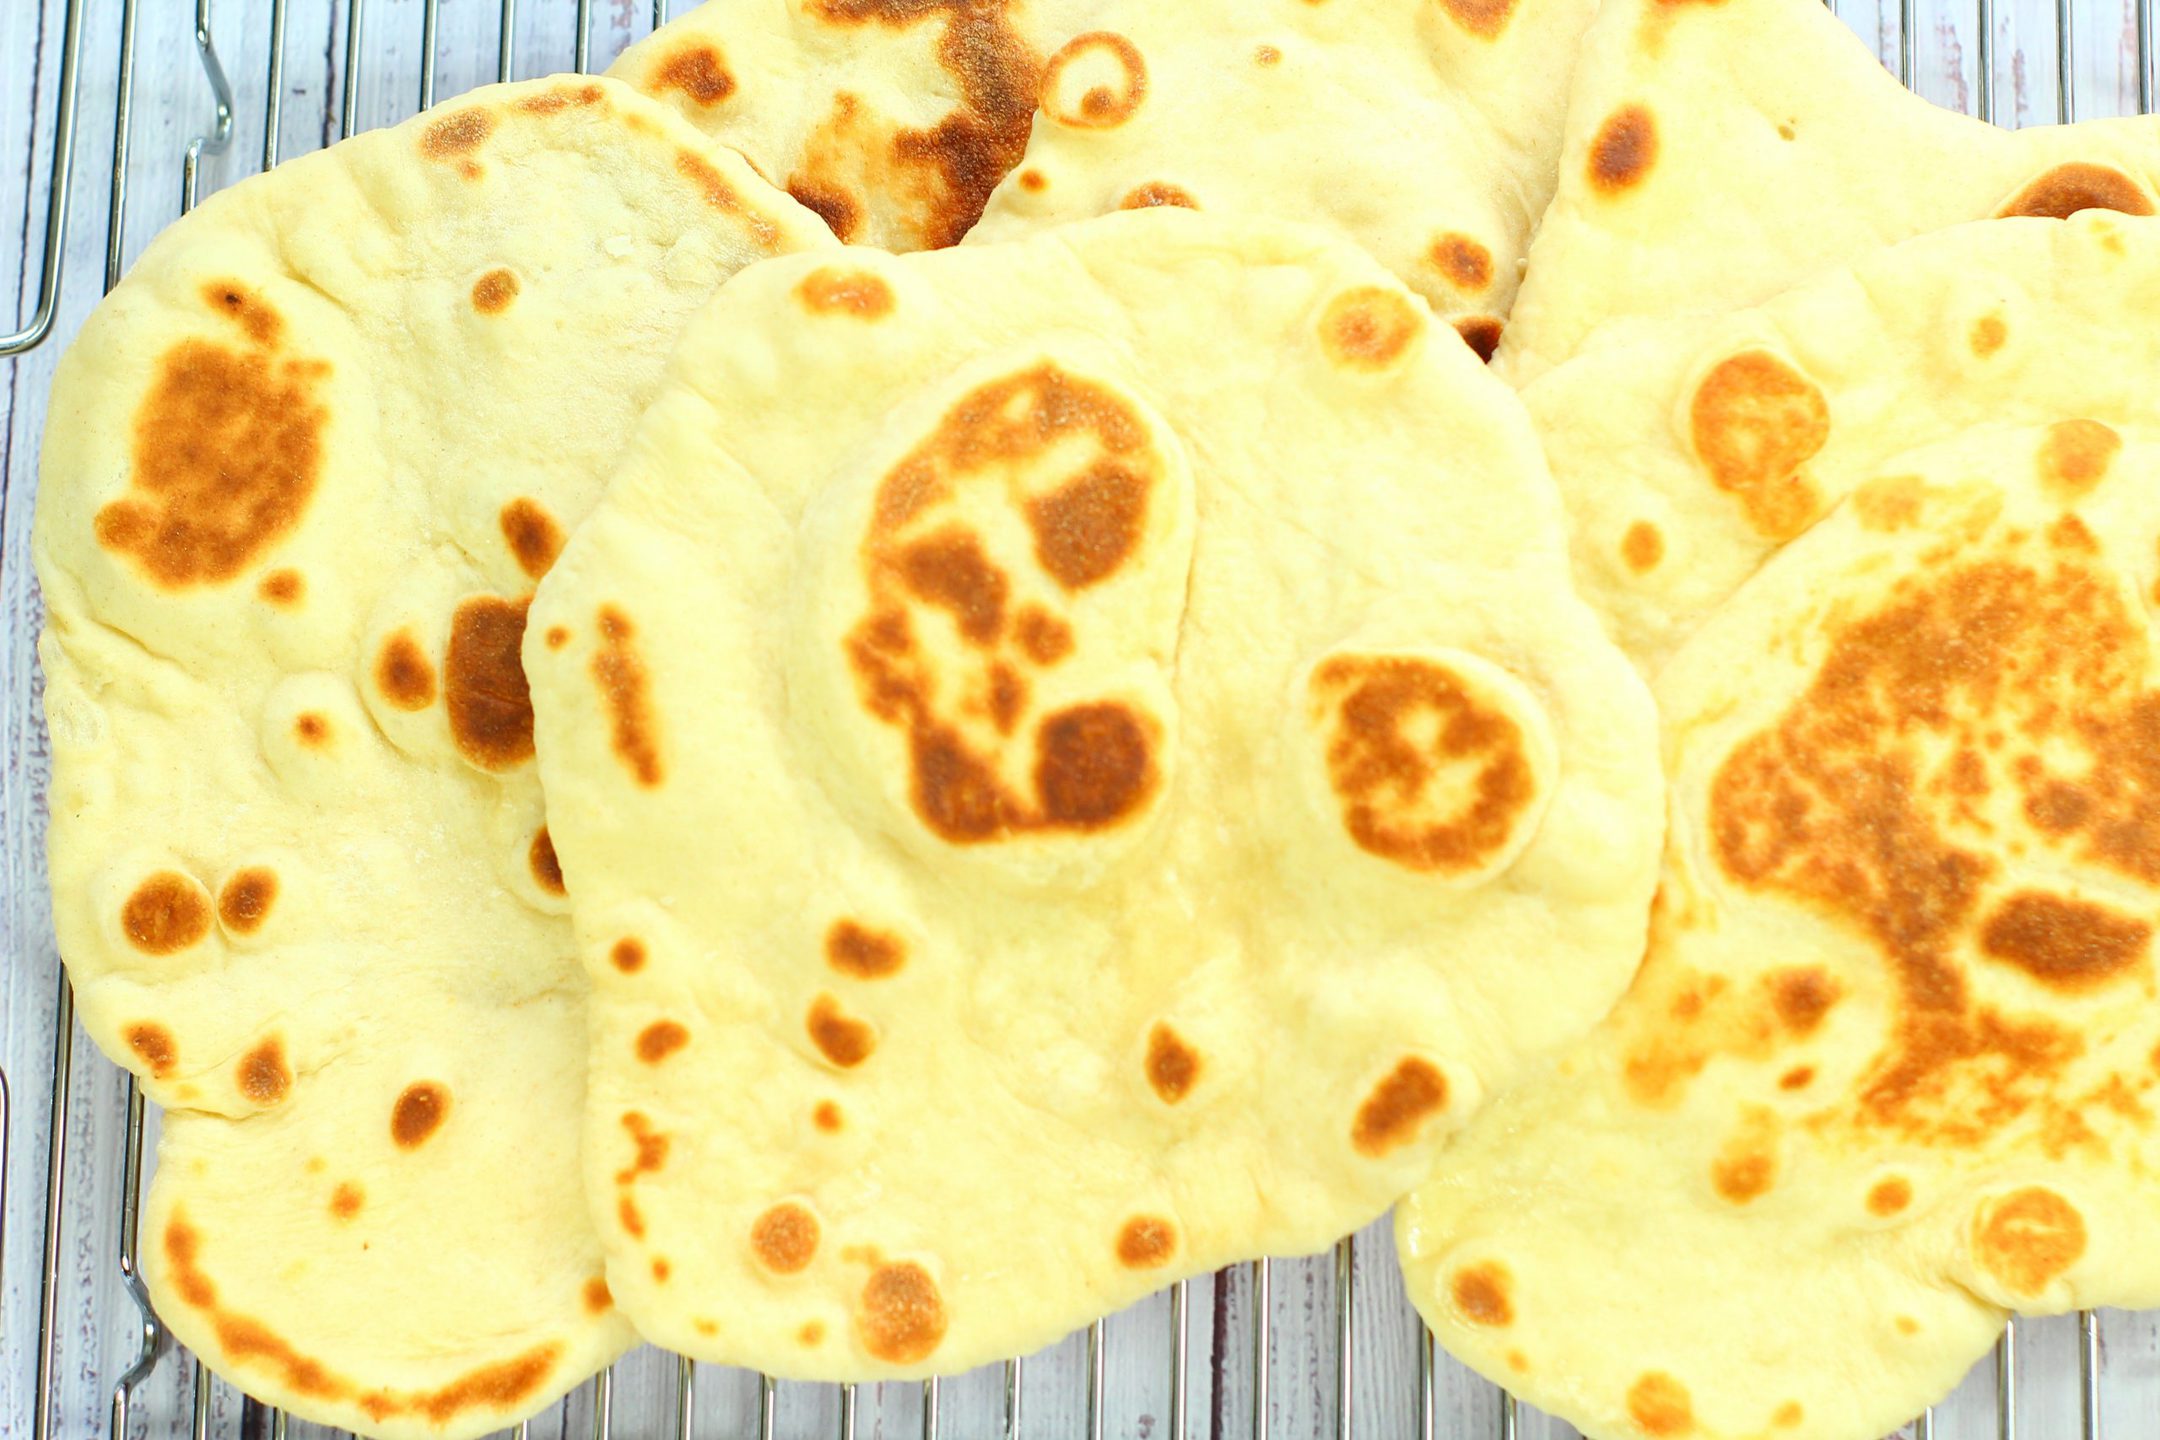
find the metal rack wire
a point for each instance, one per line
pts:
(153, 1341)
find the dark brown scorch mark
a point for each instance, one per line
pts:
(484, 687)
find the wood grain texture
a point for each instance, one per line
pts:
(96, 1336)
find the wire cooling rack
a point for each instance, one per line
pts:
(1309, 1348)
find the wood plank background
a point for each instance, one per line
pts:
(95, 1318)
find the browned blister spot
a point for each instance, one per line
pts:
(625, 687)
(245, 899)
(262, 1074)
(345, 1201)
(2027, 1238)
(827, 1117)
(839, 209)
(840, 1038)
(652, 1148)
(557, 636)
(1483, 1293)
(631, 1218)
(1797, 1078)
(627, 955)
(1642, 546)
(1464, 263)
(1043, 637)
(312, 729)
(831, 290)
(546, 869)
(1482, 334)
(1173, 1067)
(1369, 328)
(1427, 777)
(154, 1046)
(283, 588)
(2075, 457)
(1623, 150)
(812, 1332)
(1788, 1414)
(661, 1039)
(940, 176)
(456, 135)
(2064, 943)
(1660, 1405)
(951, 571)
(598, 1298)
(403, 673)
(244, 306)
(227, 451)
(1102, 106)
(167, 912)
(1146, 1242)
(1094, 765)
(695, 71)
(484, 687)
(866, 954)
(1157, 193)
(1034, 181)
(493, 292)
(1754, 422)
(1267, 55)
(1482, 18)
(661, 1269)
(1087, 528)
(1398, 1107)
(419, 1112)
(1802, 995)
(1743, 1171)
(1888, 1196)
(901, 1317)
(714, 189)
(2077, 185)
(1989, 334)
(785, 1238)
(533, 535)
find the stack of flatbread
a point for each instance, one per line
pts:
(624, 767)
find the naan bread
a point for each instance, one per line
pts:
(1888, 1072)
(303, 469)
(893, 119)
(1718, 153)
(1428, 131)
(1078, 763)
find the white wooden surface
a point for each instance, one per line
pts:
(96, 1334)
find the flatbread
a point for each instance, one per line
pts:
(1717, 154)
(1888, 1071)
(1428, 131)
(893, 119)
(1078, 763)
(303, 468)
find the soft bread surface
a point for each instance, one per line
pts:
(303, 469)
(1426, 130)
(1078, 763)
(1717, 154)
(1888, 1071)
